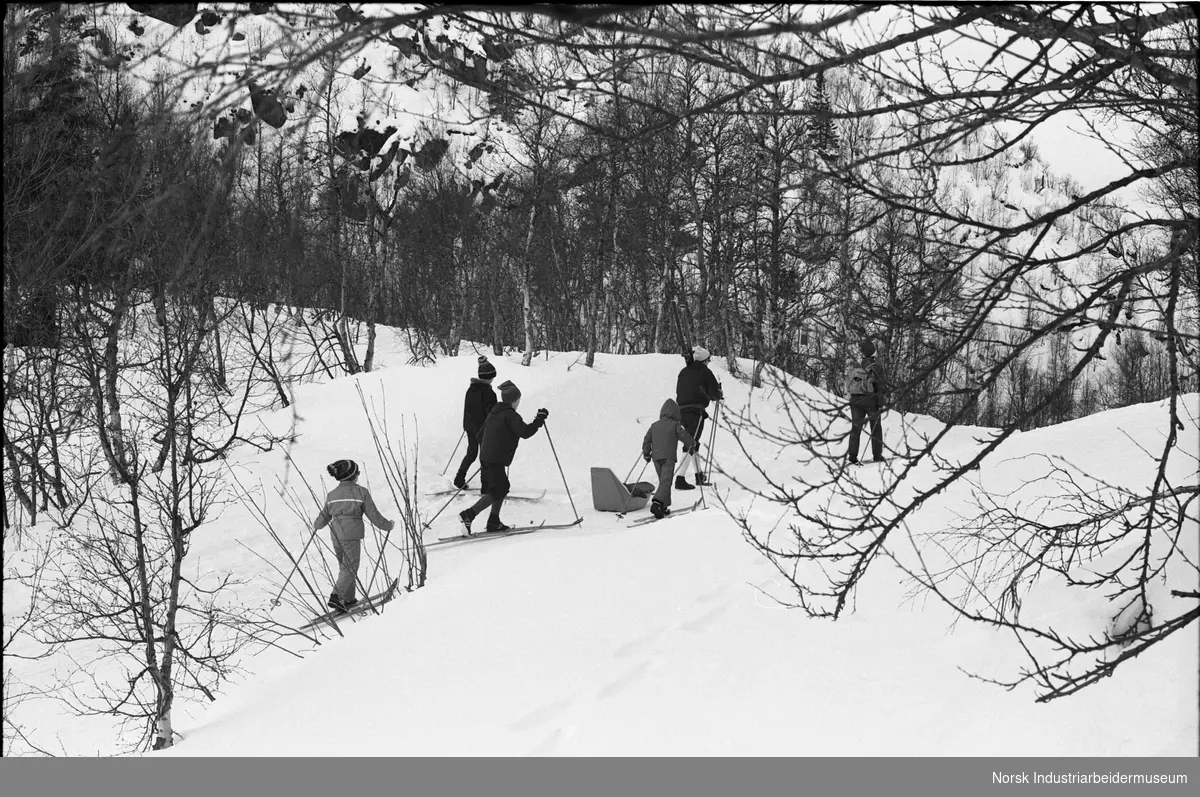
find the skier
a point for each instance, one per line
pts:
(694, 389)
(343, 513)
(660, 446)
(477, 404)
(498, 440)
(864, 384)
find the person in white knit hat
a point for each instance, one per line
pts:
(695, 388)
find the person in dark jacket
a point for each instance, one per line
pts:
(498, 440)
(343, 513)
(661, 446)
(477, 404)
(694, 389)
(865, 386)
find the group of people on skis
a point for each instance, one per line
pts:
(493, 429)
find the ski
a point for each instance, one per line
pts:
(363, 605)
(472, 493)
(676, 513)
(509, 532)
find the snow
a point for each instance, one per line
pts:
(663, 639)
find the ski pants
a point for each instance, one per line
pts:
(862, 410)
(348, 553)
(665, 468)
(495, 480)
(693, 421)
(469, 458)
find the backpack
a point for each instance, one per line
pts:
(859, 380)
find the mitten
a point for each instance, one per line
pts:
(543, 414)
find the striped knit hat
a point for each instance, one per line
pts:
(343, 470)
(487, 371)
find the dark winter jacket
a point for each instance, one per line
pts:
(697, 386)
(501, 433)
(478, 403)
(664, 435)
(344, 510)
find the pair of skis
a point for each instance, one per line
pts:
(364, 605)
(538, 497)
(509, 532)
(675, 513)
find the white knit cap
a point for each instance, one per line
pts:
(699, 354)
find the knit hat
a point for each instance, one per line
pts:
(509, 393)
(699, 354)
(343, 470)
(867, 348)
(486, 369)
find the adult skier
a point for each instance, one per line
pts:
(503, 430)
(695, 388)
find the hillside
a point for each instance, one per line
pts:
(667, 639)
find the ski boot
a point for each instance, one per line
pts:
(336, 603)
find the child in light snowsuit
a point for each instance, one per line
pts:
(865, 386)
(498, 440)
(477, 404)
(695, 388)
(343, 513)
(660, 445)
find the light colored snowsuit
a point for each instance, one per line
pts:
(343, 513)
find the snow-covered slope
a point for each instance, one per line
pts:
(656, 640)
(663, 639)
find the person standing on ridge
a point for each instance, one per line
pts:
(865, 387)
(498, 439)
(661, 446)
(477, 404)
(694, 389)
(343, 513)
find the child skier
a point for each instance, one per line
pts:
(694, 389)
(343, 513)
(477, 404)
(660, 445)
(498, 440)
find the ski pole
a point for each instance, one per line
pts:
(712, 436)
(456, 445)
(429, 522)
(299, 559)
(560, 470)
(625, 503)
(631, 467)
(712, 439)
